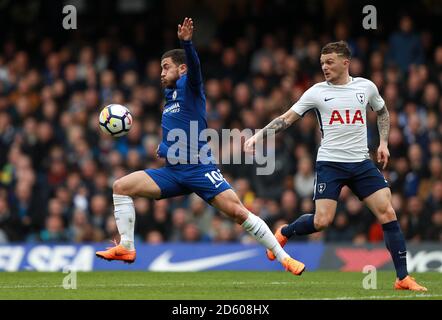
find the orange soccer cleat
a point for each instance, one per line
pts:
(408, 283)
(294, 266)
(117, 253)
(282, 241)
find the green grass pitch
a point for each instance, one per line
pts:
(214, 285)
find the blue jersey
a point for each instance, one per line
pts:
(190, 165)
(185, 109)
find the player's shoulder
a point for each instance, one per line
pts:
(364, 82)
(316, 88)
(183, 82)
(361, 80)
(319, 85)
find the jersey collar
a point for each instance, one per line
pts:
(341, 85)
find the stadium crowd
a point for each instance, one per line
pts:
(57, 168)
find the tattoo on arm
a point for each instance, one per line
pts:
(279, 124)
(383, 123)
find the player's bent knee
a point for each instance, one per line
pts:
(238, 213)
(118, 187)
(387, 215)
(322, 222)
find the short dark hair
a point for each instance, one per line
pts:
(178, 56)
(340, 48)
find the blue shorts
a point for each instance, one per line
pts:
(363, 178)
(205, 180)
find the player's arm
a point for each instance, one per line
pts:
(185, 32)
(383, 120)
(276, 125)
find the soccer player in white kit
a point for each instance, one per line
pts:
(340, 104)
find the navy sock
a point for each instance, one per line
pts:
(395, 242)
(301, 226)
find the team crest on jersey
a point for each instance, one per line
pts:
(174, 94)
(361, 97)
(321, 187)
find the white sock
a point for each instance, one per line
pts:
(125, 217)
(261, 232)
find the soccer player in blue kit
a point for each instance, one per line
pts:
(183, 174)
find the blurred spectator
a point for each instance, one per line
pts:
(99, 210)
(434, 199)
(304, 178)
(154, 237)
(26, 208)
(179, 219)
(416, 222)
(415, 133)
(340, 230)
(80, 230)
(111, 230)
(191, 233)
(434, 231)
(225, 233)
(271, 212)
(289, 205)
(270, 186)
(359, 217)
(405, 45)
(160, 220)
(10, 225)
(418, 170)
(142, 218)
(54, 230)
(201, 213)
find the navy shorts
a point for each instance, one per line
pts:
(205, 180)
(363, 178)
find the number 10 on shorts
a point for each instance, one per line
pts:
(215, 177)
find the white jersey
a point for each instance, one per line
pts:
(341, 112)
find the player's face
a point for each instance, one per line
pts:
(333, 66)
(170, 73)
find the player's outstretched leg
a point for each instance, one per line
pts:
(380, 204)
(124, 189)
(228, 202)
(307, 223)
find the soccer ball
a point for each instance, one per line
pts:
(115, 120)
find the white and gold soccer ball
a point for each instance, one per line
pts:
(115, 120)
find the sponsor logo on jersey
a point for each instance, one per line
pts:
(346, 117)
(174, 108)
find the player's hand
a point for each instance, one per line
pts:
(185, 30)
(383, 155)
(249, 145)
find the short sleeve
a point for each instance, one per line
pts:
(374, 98)
(306, 102)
